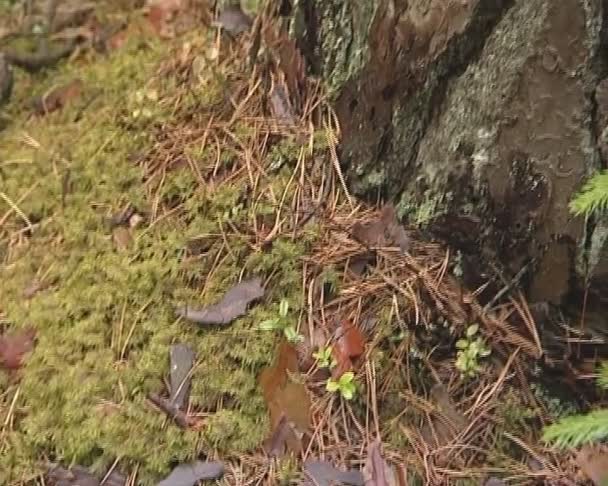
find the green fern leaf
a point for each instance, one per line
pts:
(593, 196)
(578, 430)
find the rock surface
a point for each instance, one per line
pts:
(491, 111)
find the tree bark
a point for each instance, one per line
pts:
(487, 111)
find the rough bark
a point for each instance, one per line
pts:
(487, 107)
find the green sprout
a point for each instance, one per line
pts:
(282, 323)
(324, 357)
(470, 349)
(345, 385)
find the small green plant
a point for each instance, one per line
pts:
(283, 323)
(470, 349)
(580, 429)
(345, 385)
(324, 357)
(593, 197)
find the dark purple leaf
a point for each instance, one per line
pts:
(234, 20)
(182, 360)
(323, 473)
(190, 474)
(233, 304)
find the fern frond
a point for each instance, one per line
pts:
(602, 380)
(578, 429)
(592, 197)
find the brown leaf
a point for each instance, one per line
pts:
(122, 238)
(233, 20)
(349, 345)
(191, 474)
(447, 422)
(233, 304)
(182, 360)
(180, 417)
(374, 471)
(58, 97)
(384, 231)
(15, 346)
(593, 461)
(161, 13)
(287, 401)
(322, 473)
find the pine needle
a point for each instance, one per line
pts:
(593, 197)
(577, 430)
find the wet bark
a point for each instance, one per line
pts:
(490, 113)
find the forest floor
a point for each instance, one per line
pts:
(150, 172)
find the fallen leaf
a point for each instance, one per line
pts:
(446, 423)
(233, 20)
(80, 476)
(287, 401)
(374, 470)
(34, 287)
(384, 231)
(58, 97)
(280, 103)
(233, 304)
(14, 347)
(494, 482)
(161, 13)
(122, 238)
(182, 360)
(593, 461)
(377, 472)
(349, 344)
(180, 417)
(322, 473)
(190, 474)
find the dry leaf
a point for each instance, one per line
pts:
(122, 238)
(287, 402)
(14, 347)
(58, 97)
(161, 13)
(384, 231)
(233, 20)
(447, 423)
(323, 473)
(80, 476)
(280, 103)
(182, 360)
(494, 482)
(593, 461)
(233, 304)
(349, 345)
(377, 472)
(191, 474)
(180, 417)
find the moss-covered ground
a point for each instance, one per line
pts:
(105, 319)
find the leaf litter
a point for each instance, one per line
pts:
(15, 346)
(323, 473)
(288, 403)
(191, 474)
(233, 305)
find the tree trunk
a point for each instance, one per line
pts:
(486, 112)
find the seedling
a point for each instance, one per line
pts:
(324, 357)
(470, 349)
(282, 323)
(345, 385)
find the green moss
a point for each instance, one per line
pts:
(106, 322)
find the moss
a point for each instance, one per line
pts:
(106, 322)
